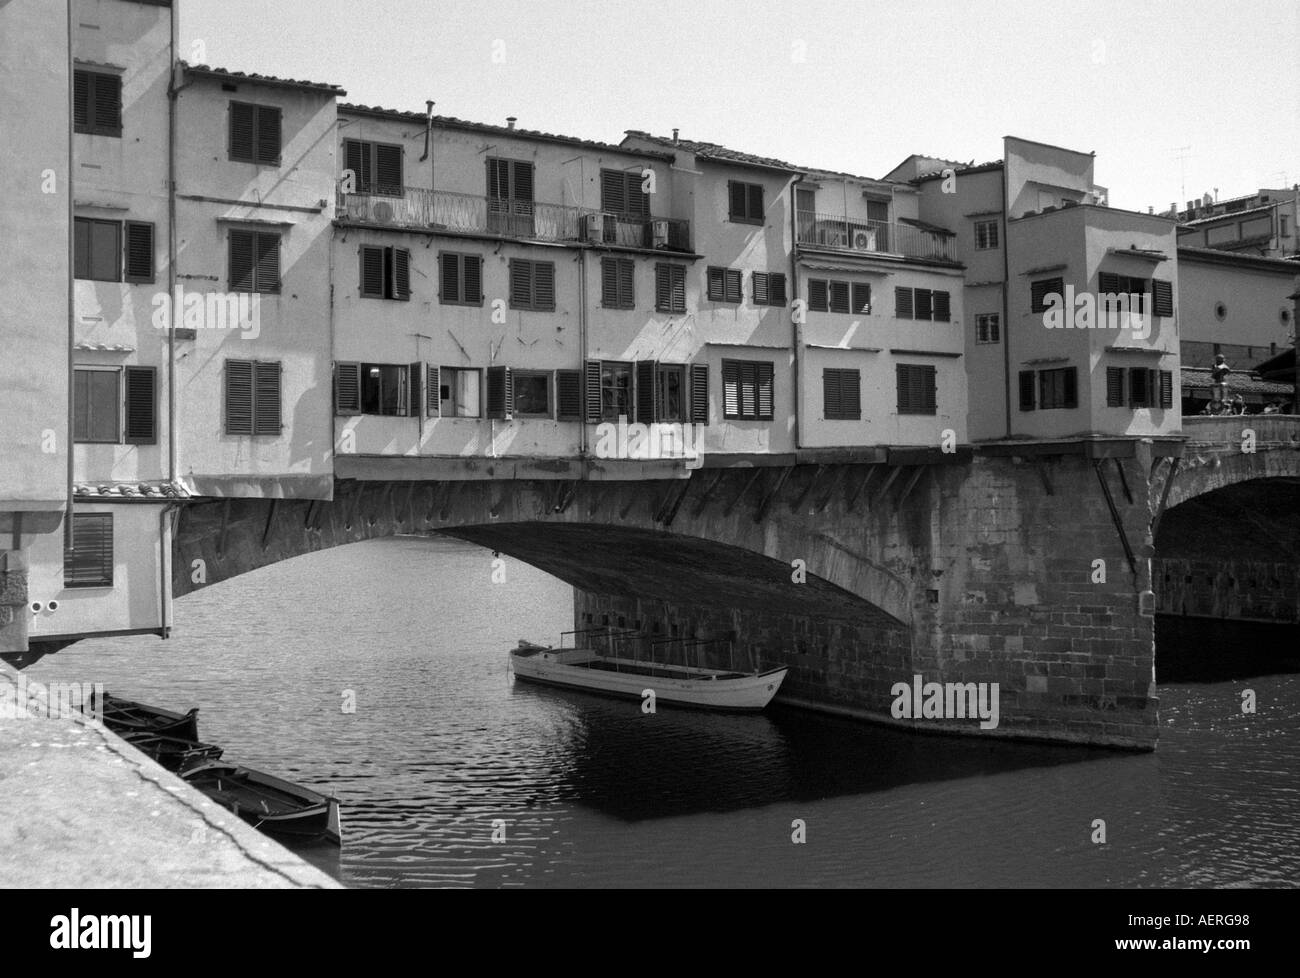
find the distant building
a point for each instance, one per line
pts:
(1261, 224)
(1234, 304)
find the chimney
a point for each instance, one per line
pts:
(1151, 208)
(510, 121)
(675, 132)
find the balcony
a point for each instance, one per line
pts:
(442, 210)
(837, 233)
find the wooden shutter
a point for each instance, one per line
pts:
(1039, 291)
(830, 394)
(861, 297)
(1166, 388)
(1108, 283)
(472, 279)
(717, 283)
(388, 169)
(591, 391)
(609, 280)
(942, 311)
(81, 101)
(268, 134)
(544, 285)
(699, 393)
(498, 178)
(902, 302)
(626, 283)
(734, 289)
(568, 395)
(1071, 377)
(736, 195)
(241, 261)
(266, 399)
(763, 374)
(356, 157)
(663, 288)
(1026, 390)
(613, 196)
(755, 209)
(731, 381)
(1162, 297)
(347, 388)
(500, 394)
(139, 251)
(762, 295)
(638, 201)
(521, 283)
(1114, 386)
(401, 274)
(372, 271)
(924, 304)
(90, 561)
(107, 105)
(647, 392)
(415, 389)
(818, 295)
(239, 397)
(522, 180)
(433, 391)
(851, 394)
(268, 262)
(449, 288)
(839, 299)
(141, 406)
(904, 379)
(776, 288)
(242, 131)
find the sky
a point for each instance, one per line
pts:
(1175, 97)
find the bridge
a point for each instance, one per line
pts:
(1037, 565)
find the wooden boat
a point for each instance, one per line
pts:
(176, 754)
(126, 716)
(275, 806)
(586, 669)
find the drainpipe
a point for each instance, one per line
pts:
(72, 304)
(796, 328)
(582, 354)
(165, 568)
(173, 92)
(1006, 288)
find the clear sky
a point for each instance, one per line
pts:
(837, 84)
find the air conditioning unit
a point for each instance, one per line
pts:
(863, 239)
(593, 228)
(381, 212)
(659, 232)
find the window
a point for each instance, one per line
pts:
(616, 282)
(615, 390)
(255, 133)
(252, 397)
(98, 253)
(1026, 390)
(254, 261)
(532, 390)
(97, 404)
(724, 284)
(841, 393)
(460, 392)
(377, 167)
(903, 303)
(89, 563)
(877, 211)
(1150, 388)
(385, 273)
(391, 389)
(839, 296)
(1114, 387)
(925, 304)
(745, 202)
(97, 103)
(769, 289)
(670, 383)
(987, 328)
(532, 284)
(862, 298)
(620, 193)
(461, 278)
(747, 390)
(834, 296)
(1162, 297)
(670, 288)
(1040, 290)
(916, 389)
(510, 197)
(1113, 287)
(1058, 388)
(986, 235)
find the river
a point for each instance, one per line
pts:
(452, 775)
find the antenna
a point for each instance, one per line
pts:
(1184, 154)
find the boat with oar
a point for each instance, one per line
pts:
(275, 806)
(629, 675)
(126, 716)
(176, 754)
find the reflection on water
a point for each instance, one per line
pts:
(445, 751)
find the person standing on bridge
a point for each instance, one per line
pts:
(1219, 379)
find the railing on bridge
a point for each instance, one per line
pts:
(1268, 429)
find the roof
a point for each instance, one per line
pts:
(128, 490)
(465, 125)
(1198, 378)
(961, 170)
(1282, 365)
(1223, 214)
(1216, 256)
(714, 151)
(207, 71)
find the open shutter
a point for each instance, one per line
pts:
(141, 406)
(347, 388)
(472, 285)
(736, 193)
(609, 281)
(861, 298)
(1114, 386)
(591, 390)
(401, 274)
(731, 381)
(733, 280)
(903, 302)
(372, 271)
(776, 288)
(521, 283)
(500, 394)
(1026, 390)
(1108, 283)
(762, 294)
(763, 382)
(266, 399)
(388, 169)
(647, 392)
(612, 191)
(415, 389)
(1071, 387)
(268, 134)
(433, 400)
(818, 295)
(239, 397)
(942, 311)
(268, 262)
(90, 562)
(1162, 297)
(699, 393)
(449, 288)
(241, 130)
(1166, 388)
(568, 395)
(139, 251)
(241, 261)
(356, 159)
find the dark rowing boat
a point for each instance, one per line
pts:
(125, 716)
(269, 803)
(176, 754)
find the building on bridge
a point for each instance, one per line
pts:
(1261, 224)
(1236, 304)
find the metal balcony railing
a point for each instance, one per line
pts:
(838, 233)
(447, 211)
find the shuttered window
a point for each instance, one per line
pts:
(841, 394)
(568, 395)
(988, 328)
(1166, 388)
(347, 388)
(1132, 290)
(942, 310)
(377, 166)
(1026, 390)
(922, 303)
(1143, 387)
(745, 202)
(861, 298)
(89, 562)
(254, 261)
(902, 303)
(532, 285)
(747, 390)
(724, 284)
(97, 406)
(141, 405)
(648, 403)
(97, 249)
(1040, 290)
(1162, 297)
(616, 282)
(839, 297)
(670, 288)
(385, 273)
(818, 295)
(916, 389)
(97, 103)
(1058, 388)
(769, 289)
(460, 278)
(621, 194)
(500, 394)
(699, 393)
(138, 262)
(252, 397)
(255, 133)
(1114, 387)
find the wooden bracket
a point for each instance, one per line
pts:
(1114, 515)
(770, 496)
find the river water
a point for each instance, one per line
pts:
(452, 775)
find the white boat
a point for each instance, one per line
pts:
(585, 669)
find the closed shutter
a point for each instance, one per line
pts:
(1026, 390)
(266, 399)
(1166, 388)
(241, 261)
(107, 105)
(268, 134)
(356, 157)
(762, 295)
(347, 388)
(763, 375)
(1039, 291)
(613, 196)
(498, 178)
(818, 295)
(242, 131)
(904, 379)
(717, 284)
(415, 389)
(433, 391)
(730, 389)
(591, 390)
(776, 288)
(638, 201)
(141, 406)
(268, 262)
(748, 390)
(449, 288)
(521, 283)
(663, 288)
(840, 297)
(851, 395)
(81, 101)
(734, 292)
(139, 251)
(522, 180)
(942, 312)
(372, 272)
(388, 169)
(626, 283)
(500, 394)
(568, 395)
(830, 394)
(239, 397)
(401, 273)
(1071, 376)
(1162, 297)
(544, 285)
(472, 285)
(736, 193)
(609, 281)
(699, 393)
(1114, 386)
(902, 303)
(90, 561)
(861, 297)
(924, 305)
(755, 195)
(647, 392)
